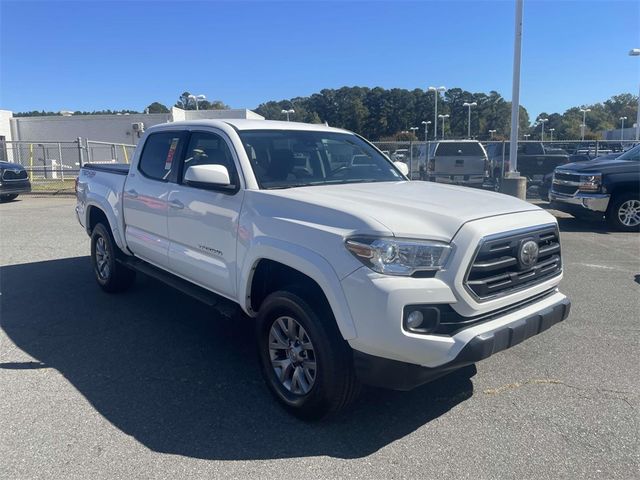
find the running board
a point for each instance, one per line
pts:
(223, 305)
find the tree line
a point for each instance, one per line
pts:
(389, 114)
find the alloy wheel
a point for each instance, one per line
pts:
(102, 259)
(629, 213)
(292, 355)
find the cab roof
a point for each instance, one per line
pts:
(244, 124)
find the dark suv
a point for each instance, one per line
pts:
(13, 181)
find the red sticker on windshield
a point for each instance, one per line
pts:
(172, 151)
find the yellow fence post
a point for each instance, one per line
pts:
(126, 157)
(31, 162)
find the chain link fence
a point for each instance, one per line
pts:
(52, 167)
(416, 153)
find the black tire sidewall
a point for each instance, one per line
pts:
(329, 359)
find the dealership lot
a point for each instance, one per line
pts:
(153, 384)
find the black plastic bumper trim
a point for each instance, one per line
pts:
(395, 375)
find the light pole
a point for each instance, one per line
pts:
(443, 117)
(515, 90)
(622, 119)
(551, 130)
(635, 52)
(469, 105)
(288, 112)
(526, 136)
(426, 129)
(584, 121)
(196, 99)
(542, 121)
(491, 132)
(436, 93)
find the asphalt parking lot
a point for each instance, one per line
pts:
(152, 384)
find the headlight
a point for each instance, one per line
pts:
(590, 183)
(399, 256)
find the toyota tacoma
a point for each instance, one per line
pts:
(353, 274)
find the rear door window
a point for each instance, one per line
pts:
(161, 152)
(459, 149)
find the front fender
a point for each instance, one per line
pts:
(305, 261)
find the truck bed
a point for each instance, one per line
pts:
(117, 168)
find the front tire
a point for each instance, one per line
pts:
(624, 212)
(306, 363)
(110, 274)
(8, 198)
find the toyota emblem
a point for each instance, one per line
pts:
(528, 254)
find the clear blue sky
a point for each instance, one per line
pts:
(96, 55)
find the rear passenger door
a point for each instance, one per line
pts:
(203, 222)
(146, 193)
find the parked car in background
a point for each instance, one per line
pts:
(601, 187)
(14, 180)
(400, 155)
(459, 162)
(352, 273)
(534, 160)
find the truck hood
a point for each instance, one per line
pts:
(601, 165)
(409, 209)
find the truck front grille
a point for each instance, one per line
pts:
(564, 189)
(498, 268)
(14, 175)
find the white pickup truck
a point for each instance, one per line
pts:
(353, 273)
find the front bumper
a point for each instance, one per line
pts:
(13, 187)
(595, 202)
(382, 372)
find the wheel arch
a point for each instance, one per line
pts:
(96, 212)
(289, 264)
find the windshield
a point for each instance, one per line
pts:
(633, 154)
(450, 149)
(297, 158)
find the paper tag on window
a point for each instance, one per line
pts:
(171, 153)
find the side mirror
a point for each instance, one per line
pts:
(402, 167)
(207, 176)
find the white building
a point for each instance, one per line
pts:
(105, 128)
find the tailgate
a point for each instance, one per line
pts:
(459, 165)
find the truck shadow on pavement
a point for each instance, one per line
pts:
(160, 367)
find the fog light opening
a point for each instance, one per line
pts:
(421, 319)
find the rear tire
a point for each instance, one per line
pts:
(110, 274)
(306, 363)
(624, 212)
(8, 198)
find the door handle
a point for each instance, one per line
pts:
(176, 204)
(132, 193)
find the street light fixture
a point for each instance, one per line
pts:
(436, 93)
(492, 132)
(413, 130)
(443, 117)
(196, 99)
(469, 105)
(622, 119)
(551, 130)
(635, 52)
(584, 121)
(526, 136)
(542, 121)
(288, 112)
(426, 129)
